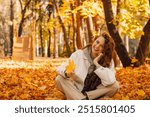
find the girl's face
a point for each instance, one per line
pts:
(97, 47)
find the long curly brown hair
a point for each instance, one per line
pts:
(108, 50)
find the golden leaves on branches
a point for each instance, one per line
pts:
(132, 17)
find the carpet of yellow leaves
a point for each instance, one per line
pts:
(34, 80)
(28, 80)
(134, 83)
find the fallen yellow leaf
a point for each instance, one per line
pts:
(134, 60)
(125, 97)
(140, 92)
(27, 80)
(70, 67)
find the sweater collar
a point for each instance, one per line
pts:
(87, 52)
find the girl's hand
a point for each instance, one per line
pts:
(73, 77)
(70, 74)
(95, 61)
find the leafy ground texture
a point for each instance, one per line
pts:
(34, 80)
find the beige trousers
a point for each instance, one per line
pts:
(72, 93)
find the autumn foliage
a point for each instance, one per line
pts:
(134, 83)
(28, 80)
(35, 80)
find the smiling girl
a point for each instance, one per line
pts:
(94, 74)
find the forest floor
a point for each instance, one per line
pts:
(34, 80)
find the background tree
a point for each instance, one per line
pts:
(63, 28)
(11, 33)
(144, 42)
(24, 5)
(78, 29)
(4, 41)
(41, 16)
(133, 17)
(49, 8)
(120, 48)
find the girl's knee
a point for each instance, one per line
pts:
(115, 86)
(58, 78)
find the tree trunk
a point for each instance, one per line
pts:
(89, 29)
(74, 28)
(20, 28)
(54, 47)
(120, 48)
(11, 27)
(55, 36)
(23, 11)
(49, 32)
(144, 43)
(118, 9)
(78, 37)
(69, 30)
(41, 32)
(64, 30)
(78, 29)
(32, 46)
(85, 32)
(32, 50)
(65, 36)
(96, 25)
(49, 44)
(4, 35)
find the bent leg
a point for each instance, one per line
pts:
(103, 91)
(68, 88)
